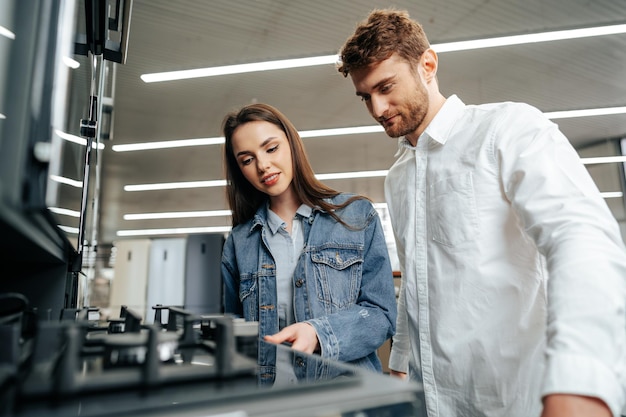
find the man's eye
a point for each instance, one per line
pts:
(385, 88)
(364, 98)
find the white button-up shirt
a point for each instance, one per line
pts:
(513, 268)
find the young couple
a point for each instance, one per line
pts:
(513, 292)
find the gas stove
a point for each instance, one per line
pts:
(191, 365)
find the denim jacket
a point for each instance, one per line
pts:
(342, 283)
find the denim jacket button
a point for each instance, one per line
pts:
(299, 361)
(299, 282)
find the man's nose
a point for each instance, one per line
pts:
(378, 107)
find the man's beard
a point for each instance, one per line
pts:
(411, 118)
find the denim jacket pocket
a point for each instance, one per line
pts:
(248, 295)
(453, 213)
(337, 276)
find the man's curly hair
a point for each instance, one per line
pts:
(383, 33)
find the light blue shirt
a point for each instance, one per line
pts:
(286, 250)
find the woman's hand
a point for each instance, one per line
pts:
(401, 375)
(302, 337)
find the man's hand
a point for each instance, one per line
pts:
(566, 405)
(302, 337)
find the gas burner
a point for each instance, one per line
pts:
(75, 357)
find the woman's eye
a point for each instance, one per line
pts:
(246, 161)
(272, 149)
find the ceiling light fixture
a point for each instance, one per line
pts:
(341, 131)
(349, 175)
(166, 144)
(603, 160)
(612, 194)
(75, 139)
(239, 69)
(66, 181)
(177, 215)
(64, 212)
(563, 114)
(332, 59)
(222, 183)
(69, 230)
(72, 63)
(175, 185)
(531, 38)
(175, 231)
(6, 33)
(226, 229)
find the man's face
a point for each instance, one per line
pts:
(395, 96)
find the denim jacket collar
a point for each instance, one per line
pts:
(261, 217)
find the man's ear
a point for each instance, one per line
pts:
(429, 61)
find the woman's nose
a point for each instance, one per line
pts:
(263, 164)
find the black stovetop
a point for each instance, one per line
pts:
(193, 365)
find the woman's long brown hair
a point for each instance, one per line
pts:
(243, 198)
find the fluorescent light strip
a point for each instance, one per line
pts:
(531, 38)
(175, 185)
(188, 214)
(603, 160)
(224, 229)
(67, 181)
(65, 212)
(321, 177)
(6, 33)
(349, 175)
(177, 215)
(70, 230)
(222, 183)
(612, 194)
(332, 59)
(2, 116)
(564, 114)
(168, 144)
(175, 231)
(72, 63)
(239, 69)
(341, 131)
(220, 140)
(75, 139)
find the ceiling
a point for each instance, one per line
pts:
(168, 35)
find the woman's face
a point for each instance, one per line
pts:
(264, 157)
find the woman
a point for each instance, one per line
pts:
(308, 263)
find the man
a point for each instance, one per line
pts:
(513, 269)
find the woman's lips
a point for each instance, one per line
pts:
(270, 179)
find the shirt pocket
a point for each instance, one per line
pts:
(453, 218)
(248, 295)
(337, 277)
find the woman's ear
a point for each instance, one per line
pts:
(429, 62)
